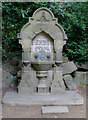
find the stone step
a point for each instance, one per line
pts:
(54, 109)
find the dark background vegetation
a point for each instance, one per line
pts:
(73, 17)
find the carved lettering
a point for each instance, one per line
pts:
(41, 43)
(43, 48)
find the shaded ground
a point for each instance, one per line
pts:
(35, 111)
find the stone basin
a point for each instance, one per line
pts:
(42, 66)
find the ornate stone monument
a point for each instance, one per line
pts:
(42, 81)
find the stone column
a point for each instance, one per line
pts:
(42, 75)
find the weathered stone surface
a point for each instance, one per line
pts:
(68, 68)
(81, 79)
(83, 66)
(29, 82)
(62, 98)
(69, 82)
(55, 109)
(57, 83)
(6, 79)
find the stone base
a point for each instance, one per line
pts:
(62, 98)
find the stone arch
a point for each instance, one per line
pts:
(41, 10)
(44, 34)
(42, 21)
(52, 18)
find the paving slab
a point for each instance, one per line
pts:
(62, 98)
(55, 109)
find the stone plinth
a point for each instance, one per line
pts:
(62, 98)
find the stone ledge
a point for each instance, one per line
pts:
(62, 98)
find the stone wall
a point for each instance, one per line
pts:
(81, 78)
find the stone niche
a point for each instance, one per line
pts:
(42, 40)
(44, 75)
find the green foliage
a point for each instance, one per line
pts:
(2, 53)
(71, 16)
(76, 29)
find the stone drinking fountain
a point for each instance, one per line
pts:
(42, 83)
(42, 59)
